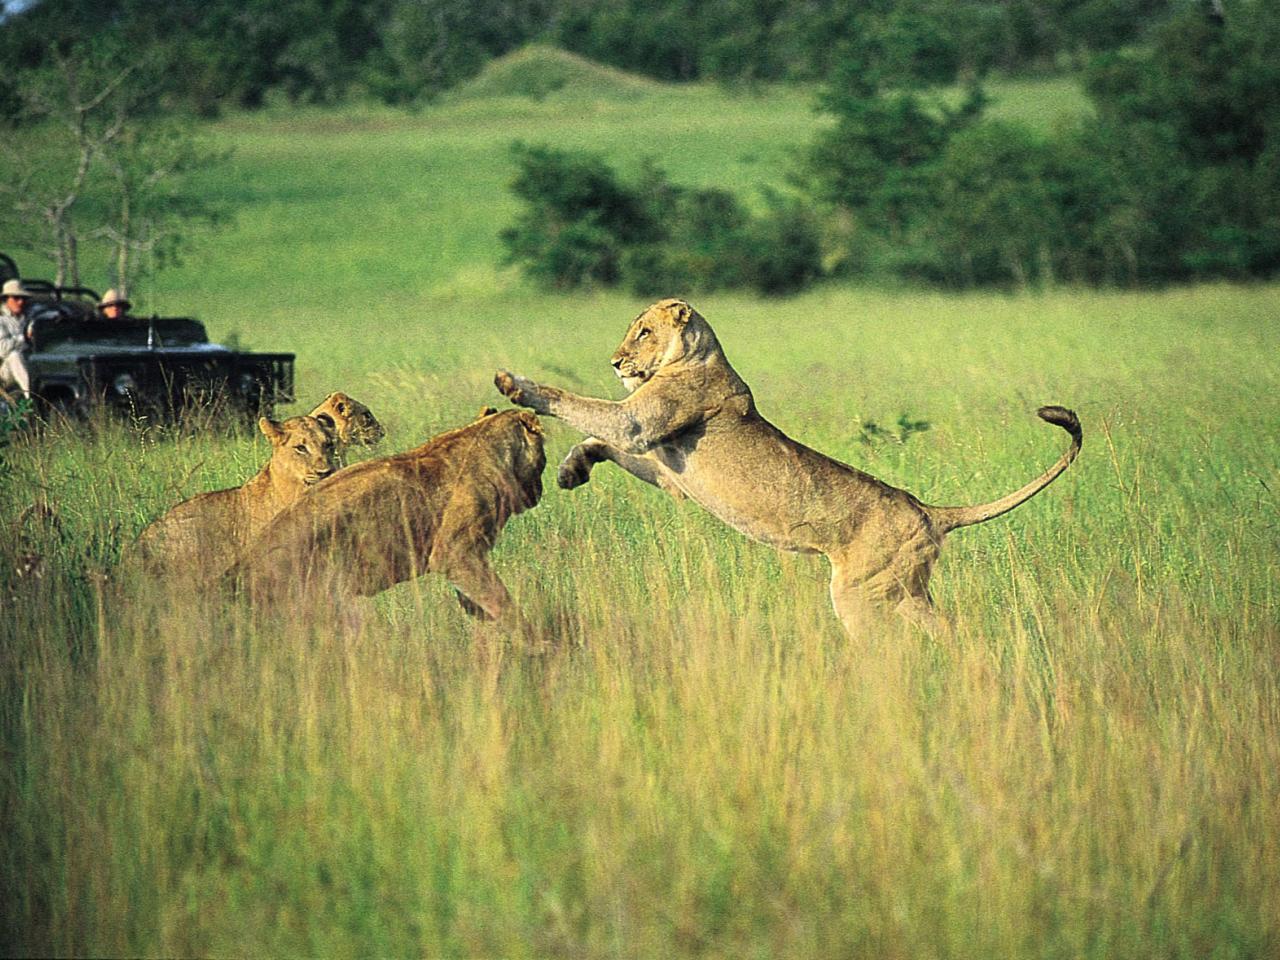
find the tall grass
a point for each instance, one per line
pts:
(1086, 767)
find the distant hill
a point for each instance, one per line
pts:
(538, 71)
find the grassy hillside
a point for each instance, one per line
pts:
(1087, 767)
(380, 205)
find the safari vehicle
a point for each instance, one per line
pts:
(154, 369)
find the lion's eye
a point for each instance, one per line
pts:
(301, 447)
(642, 334)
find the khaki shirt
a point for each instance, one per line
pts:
(13, 332)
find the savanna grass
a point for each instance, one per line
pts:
(708, 765)
(1086, 767)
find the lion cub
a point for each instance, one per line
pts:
(353, 423)
(201, 537)
(437, 508)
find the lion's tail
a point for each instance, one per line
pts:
(949, 518)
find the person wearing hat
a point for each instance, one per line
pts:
(112, 306)
(14, 335)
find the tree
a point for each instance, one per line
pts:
(997, 218)
(88, 164)
(583, 225)
(50, 164)
(149, 207)
(877, 160)
(1196, 118)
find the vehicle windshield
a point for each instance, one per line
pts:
(53, 323)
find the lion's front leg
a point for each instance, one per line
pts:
(525, 393)
(575, 469)
(480, 592)
(632, 426)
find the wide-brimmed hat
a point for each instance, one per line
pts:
(14, 288)
(112, 298)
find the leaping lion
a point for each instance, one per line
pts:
(690, 426)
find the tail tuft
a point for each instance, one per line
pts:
(950, 518)
(1064, 418)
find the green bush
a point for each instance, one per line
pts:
(996, 219)
(780, 252)
(581, 225)
(577, 220)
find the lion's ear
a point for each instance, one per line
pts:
(486, 412)
(681, 313)
(326, 421)
(270, 429)
(531, 422)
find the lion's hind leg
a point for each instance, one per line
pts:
(857, 592)
(479, 590)
(867, 586)
(920, 612)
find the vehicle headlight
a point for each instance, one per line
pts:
(124, 384)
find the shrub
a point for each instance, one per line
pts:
(581, 225)
(997, 219)
(780, 252)
(577, 220)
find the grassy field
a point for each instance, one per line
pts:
(1088, 767)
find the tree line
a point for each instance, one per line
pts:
(219, 52)
(1174, 176)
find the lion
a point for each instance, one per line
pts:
(437, 508)
(690, 426)
(201, 537)
(352, 422)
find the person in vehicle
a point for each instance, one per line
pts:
(112, 306)
(14, 336)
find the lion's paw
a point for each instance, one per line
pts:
(506, 383)
(575, 469)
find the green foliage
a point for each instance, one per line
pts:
(1175, 177)
(995, 215)
(219, 53)
(578, 218)
(877, 159)
(582, 225)
(15, 416)
(96, 166)
(1207, 97)
(871, 433)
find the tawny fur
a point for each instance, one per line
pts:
(437, 508)
(201, 537)
(690, 426)
(352, 422)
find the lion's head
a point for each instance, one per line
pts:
(351, 420)
(666, 332)
(303, 448)
(523, 449)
